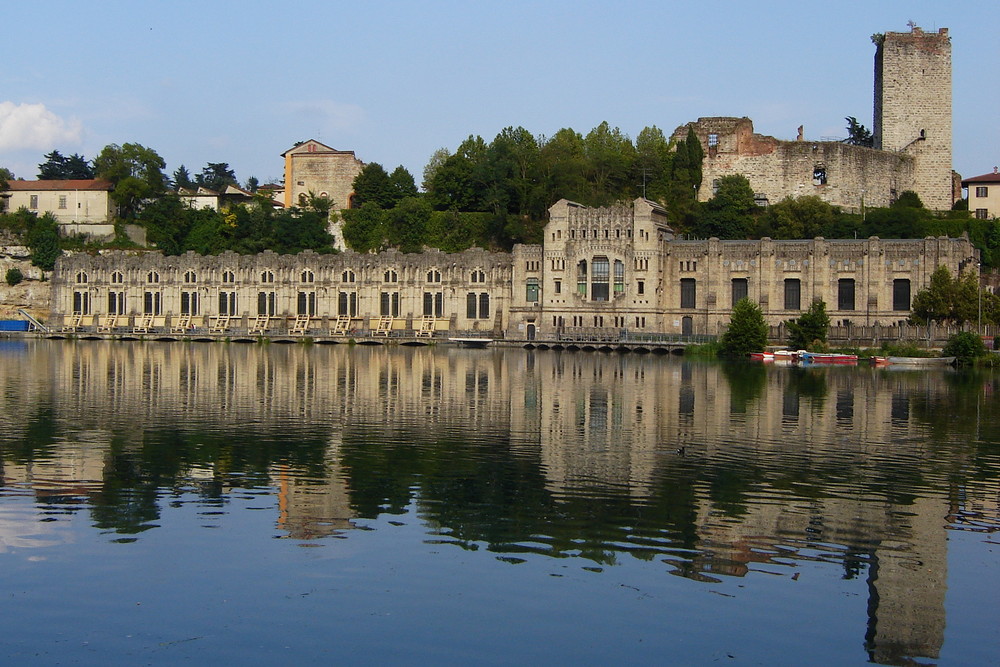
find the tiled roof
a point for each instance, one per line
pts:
(53, 186)
(985, 178)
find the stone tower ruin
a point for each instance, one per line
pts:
(913, 107)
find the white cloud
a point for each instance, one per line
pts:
(328, 114)
(34, 126)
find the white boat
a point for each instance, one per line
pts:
(921, 361)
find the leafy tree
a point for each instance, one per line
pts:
(252, 184)
(747, 331)
(798, 218)
(563, 166)
(166, 221)
(965, 346)
(652, 163)
(908, 199)
(60, 168)
(685, 180)
(14, 276)
(365, 228)
(408, 224)
(858, 134)
(809, 331)
(402, 183)
(182, 178)
(294, 231)
(373, 185)
(437, 159)
(730, 213)
(43, 241)
(216, 176)
(610, 156)
(136, 173)
(949, 300)
(6, 175)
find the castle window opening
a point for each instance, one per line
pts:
(433, 276)
(713, 140)
(348, 277)
(819, 175)
(901, 294)
(433, 304)
(599, 281)
(740, 290)
(227, 303)
(152, 303)
(982, 191)
(477, 306)
(619, 277)
(793, 294)
(389, 304)
(478, 276)
(81, 277)
(267, 304)
(689, 293)
(308, 276)
(306, 304)
(558, 287)
(760, 199)
(581, 278)
(116, 303)
(190, 277)
(845, 294)
(189, 303)
(531, 290)
(390, 276)
(347, 304)
(228, 277)
(267, 276)
(81, 303)
(152, 277)
(117, 278)
(641, 287)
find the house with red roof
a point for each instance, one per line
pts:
(80, 206)
(984, 195)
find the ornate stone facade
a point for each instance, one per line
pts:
(600, 271)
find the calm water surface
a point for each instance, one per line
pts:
(171, 503)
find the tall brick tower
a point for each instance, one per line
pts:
(913, 107)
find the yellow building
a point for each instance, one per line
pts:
(314, 168)
(984, 195)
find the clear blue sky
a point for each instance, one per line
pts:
(241, 82)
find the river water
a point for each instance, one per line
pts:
(208, 503)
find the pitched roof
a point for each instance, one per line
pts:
(53, 186)
(985, 178)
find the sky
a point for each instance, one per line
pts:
(242, 82)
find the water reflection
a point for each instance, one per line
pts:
(711, 470)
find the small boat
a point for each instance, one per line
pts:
(828, 358)
(879, 361)
(931, 362)
(762, 356)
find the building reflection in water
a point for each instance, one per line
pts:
(716, 470)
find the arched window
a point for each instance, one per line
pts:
(152, 277)
(433, 276)
(267, 276)
(82, 278)
(478, 276)
(228, 276)
(390, 276)
(190, 277)
(348, 276)
(308, 276)
(117, 278)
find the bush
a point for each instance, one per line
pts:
(809, 331)
(747, 331)
(965, 346)
(14, 276)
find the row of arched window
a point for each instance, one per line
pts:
(267, 276)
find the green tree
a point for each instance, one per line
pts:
(373, 185)
(858, 134)
(949, 300)
(798, 218)
(809, 331)
(610, 156)
(136, 172)
(60, 168)
(730, 213)
(685, 180)
(182, 178)
(965, 346)
(365, 228)
(252, 184)
(14, 276)
(43, 241)
(562, 167)
(652, 163)
(6, 175)
(216, 176)
(747, 331)
(408, 224)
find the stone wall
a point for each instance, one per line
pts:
(913, 107)
(33, 294)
